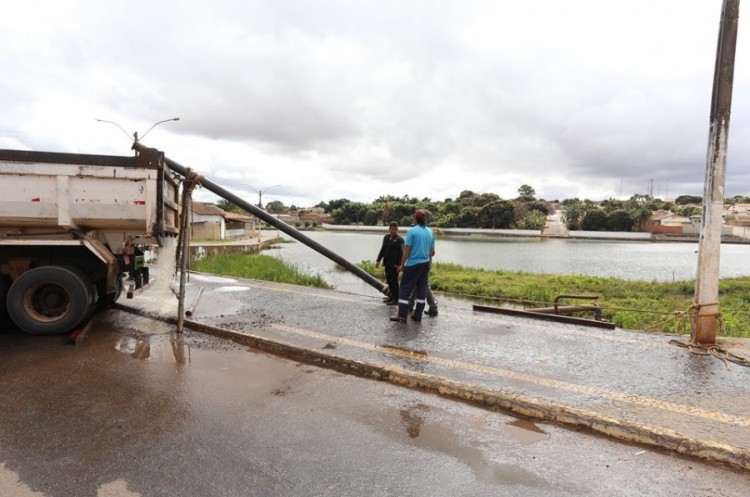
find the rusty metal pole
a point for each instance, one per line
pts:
(707, 279)
(187, 198)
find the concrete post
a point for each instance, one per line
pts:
(707, 278)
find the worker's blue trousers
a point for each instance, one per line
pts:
(414, 278)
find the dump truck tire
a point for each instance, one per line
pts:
(50, 300)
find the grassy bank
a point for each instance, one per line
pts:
(638, 305)
(257, 267)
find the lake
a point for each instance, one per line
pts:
(632, 260)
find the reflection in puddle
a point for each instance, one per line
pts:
(441, 438)
(149, 347)
(527, 432)
(413, 422)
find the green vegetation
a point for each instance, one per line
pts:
(257, 267)
(637, 305)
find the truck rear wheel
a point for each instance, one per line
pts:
(50, 300)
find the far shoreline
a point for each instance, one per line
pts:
(511, 233)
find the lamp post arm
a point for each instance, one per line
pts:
(121, 128)
(158, 123)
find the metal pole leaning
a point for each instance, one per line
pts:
(280, 225)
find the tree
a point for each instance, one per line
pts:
(495, 215)
(386, 213)
(445, 221)
(276, 207)
(533, 220)
(538, 205)
(611, 205)
(335, 204)
(640, 216)
(349, 212)
(594, 220)
(620, 220)
(573, 215)
(526, 193)
(228, 206)
(688, 199)
(371, 217)
(689, 210)
(467, 218)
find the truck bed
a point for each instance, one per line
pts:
(51, 191)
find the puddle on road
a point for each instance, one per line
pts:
(415, 420)
(10, 484)
(526, 432)
(160, 348)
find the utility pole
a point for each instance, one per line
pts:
(706, 298)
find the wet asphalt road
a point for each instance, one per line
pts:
(635, 386)
(134, 410)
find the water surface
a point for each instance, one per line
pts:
(631, 260)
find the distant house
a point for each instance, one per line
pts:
(207, 222)
(737, 215)
(665, 222)
(239, 225)
(316, 215)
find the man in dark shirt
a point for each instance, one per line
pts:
(391, 253)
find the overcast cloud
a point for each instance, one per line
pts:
(358, 99)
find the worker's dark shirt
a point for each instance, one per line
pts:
(391, 251)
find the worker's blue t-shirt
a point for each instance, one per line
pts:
(422, 241)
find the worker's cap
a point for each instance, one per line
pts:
(420, 214)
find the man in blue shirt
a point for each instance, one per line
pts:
(419, 248)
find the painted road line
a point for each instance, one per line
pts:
(637, 400)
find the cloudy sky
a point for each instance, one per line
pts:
(356, 99)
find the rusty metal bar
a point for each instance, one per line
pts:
(569, 309)
(546, 317)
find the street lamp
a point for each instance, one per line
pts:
(260, 200)
(152, 127)
(135, 133)
(260, 193)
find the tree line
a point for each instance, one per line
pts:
(488, 210)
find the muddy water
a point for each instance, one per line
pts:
(526, 432)
(135, 410)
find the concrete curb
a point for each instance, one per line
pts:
(488, 398)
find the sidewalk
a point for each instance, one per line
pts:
(633, 386)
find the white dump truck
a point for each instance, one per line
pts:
(72, 226)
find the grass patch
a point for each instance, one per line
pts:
(637, 305)
(257, 267)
